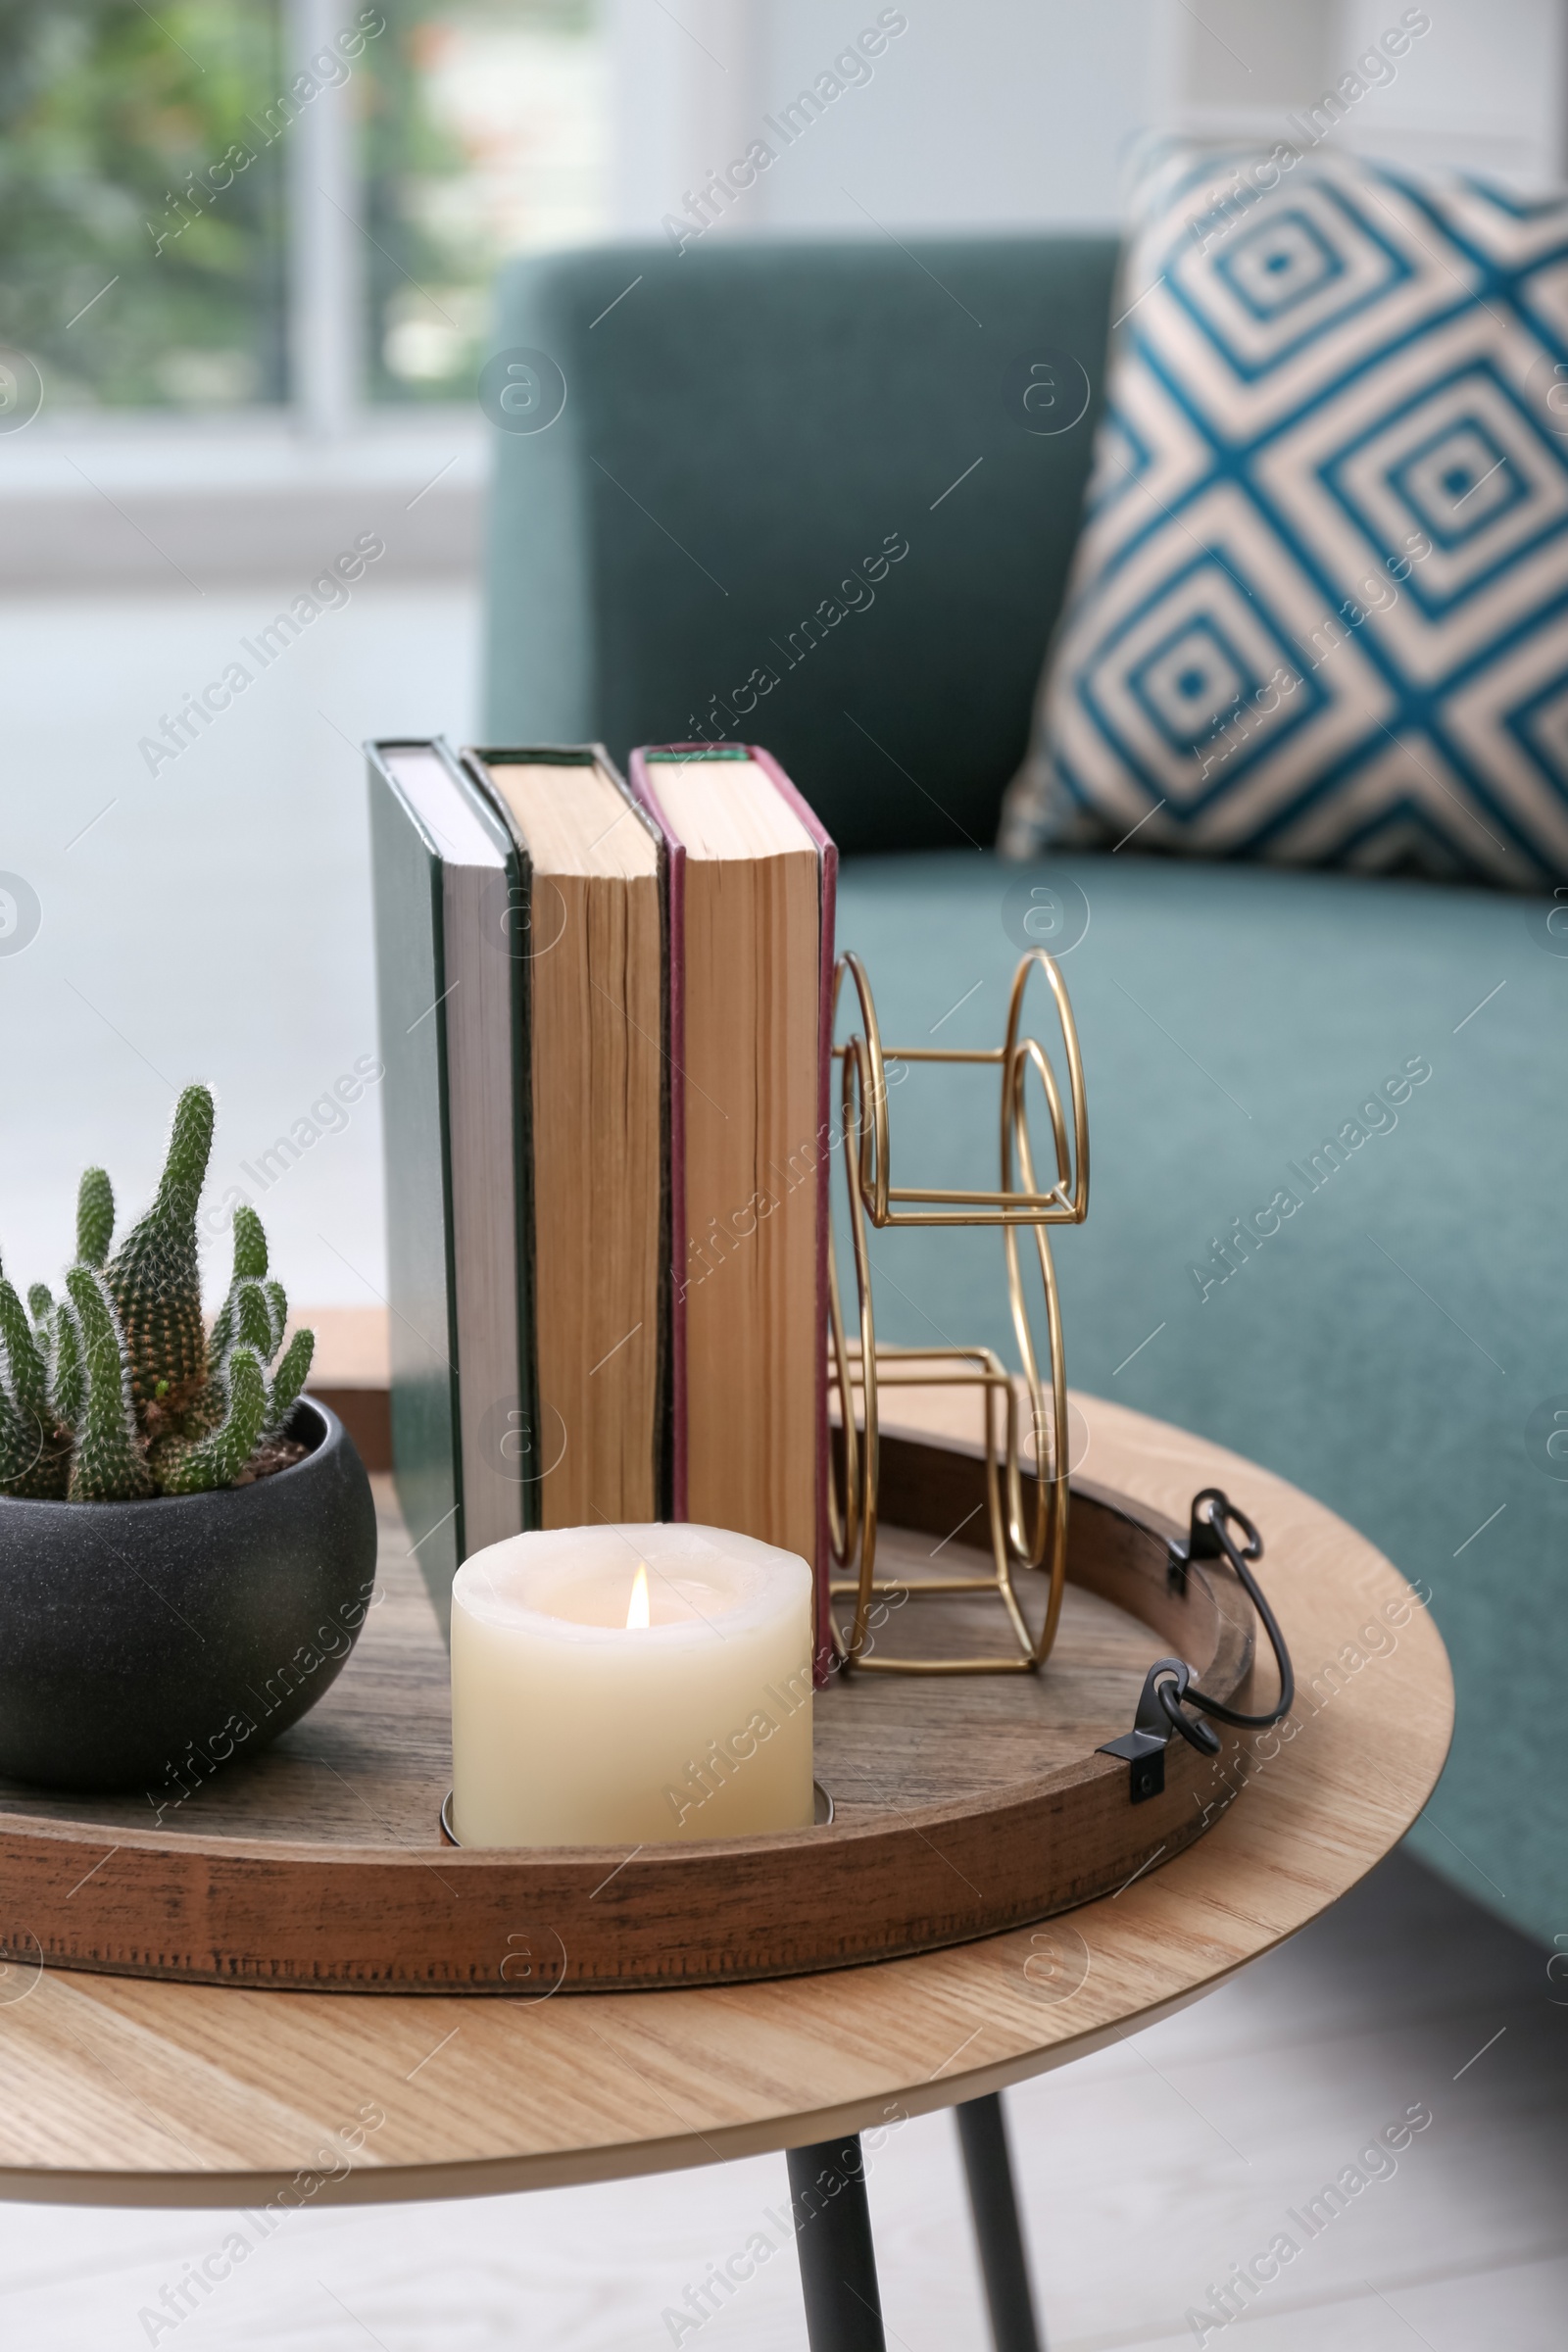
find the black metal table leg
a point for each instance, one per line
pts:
(833, 2243)
(988, 2169)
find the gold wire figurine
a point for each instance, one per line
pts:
(1020, 1538)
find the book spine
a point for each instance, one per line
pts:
(645, 808)
(827, 850)
(674, 1042)
(410, 985)
(512, 938)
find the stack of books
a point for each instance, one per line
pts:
(605, 1019)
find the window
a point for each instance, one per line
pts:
(138, 267)
(242, 204)
(486, 137)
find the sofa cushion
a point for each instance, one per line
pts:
(1319, 614)
(1394, 1343)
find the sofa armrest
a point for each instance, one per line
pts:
(794, 495)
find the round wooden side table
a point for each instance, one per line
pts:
(117, 2090)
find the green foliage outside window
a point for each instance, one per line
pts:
(144, 226)
(479, 122)
(122, 190)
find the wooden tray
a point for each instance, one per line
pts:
(963, 1805)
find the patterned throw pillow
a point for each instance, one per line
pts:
(1319, 612)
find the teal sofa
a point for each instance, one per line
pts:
(745, 430)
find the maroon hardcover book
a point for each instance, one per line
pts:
(726, 1426)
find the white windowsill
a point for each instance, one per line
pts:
(165, 502)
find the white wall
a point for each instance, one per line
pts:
(685, 94)
(212, 920)
(1483, 90)
(998, 113)
(982, 114)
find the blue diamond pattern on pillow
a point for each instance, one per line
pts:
(1320, 610)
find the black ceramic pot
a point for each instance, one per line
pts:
(143, 1644)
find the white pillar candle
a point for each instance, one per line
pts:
(623, 1686)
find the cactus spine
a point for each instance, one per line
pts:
(68, 1373)
(109, 1463)
(28, 1377)
(114, 1391)
(153, 1275)
(31, 1439)
(288, 1381)
(250, 1264)
(217, 1459)
(95, 1217)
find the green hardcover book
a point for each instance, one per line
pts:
(451, 980)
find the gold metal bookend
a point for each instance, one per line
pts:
(1021, 1536)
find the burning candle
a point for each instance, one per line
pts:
(628, 1684)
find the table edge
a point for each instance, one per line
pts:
(428, 2180)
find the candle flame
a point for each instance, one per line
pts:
(637, 1608)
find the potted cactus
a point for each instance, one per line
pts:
(187, 1541)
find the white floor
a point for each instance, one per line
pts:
(212, 920)
(1147, 2172)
